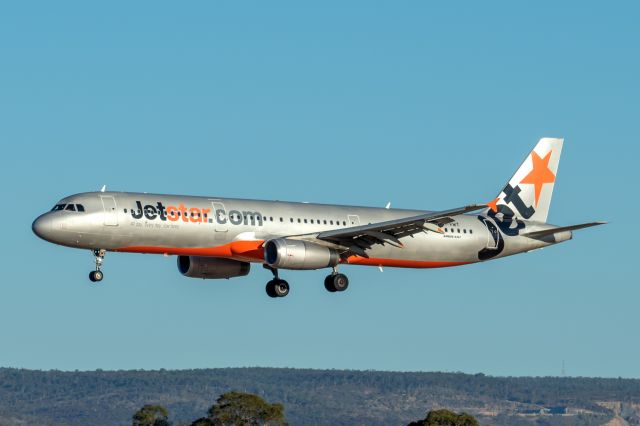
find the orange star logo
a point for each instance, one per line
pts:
(540, 174)
(493, 205)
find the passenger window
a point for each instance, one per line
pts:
(298, 220)
(281, 220)
(325, 221)
(312, 221)
(465, 231)
(331, 222)
(71, 207)
(471, 231)
(305, 221)
(344, 223)
(270, 218)
(458, 230)
(446, 230)
(291, 219)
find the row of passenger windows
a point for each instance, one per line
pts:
(235, 216)
(68, 207)
(457, 230)
(308, 221)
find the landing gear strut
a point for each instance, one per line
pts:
(276, 287)
(97, 275)
(336, 282)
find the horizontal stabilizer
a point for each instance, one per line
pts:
(551, 231)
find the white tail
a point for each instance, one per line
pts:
(528, 193)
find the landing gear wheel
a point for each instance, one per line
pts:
(336, 282)
(340, 282)
(281, 288)
(277, 288)
(328, 284)
(96, 276)
(271, 289)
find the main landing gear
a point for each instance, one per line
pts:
(97, 275)
(336, 282)
(276, 287)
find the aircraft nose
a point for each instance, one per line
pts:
(42, 226)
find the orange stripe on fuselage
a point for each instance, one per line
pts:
(246, 250)
(400, 263)
(253, 251)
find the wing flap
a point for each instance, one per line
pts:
(357, 239)
(413, 224)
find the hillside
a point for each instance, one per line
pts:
(315, 397)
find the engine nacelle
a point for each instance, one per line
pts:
(294, 254)
(211, 267)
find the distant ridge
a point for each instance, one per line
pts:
(314, 397)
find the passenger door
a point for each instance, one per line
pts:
(219, 216)
(110, 210)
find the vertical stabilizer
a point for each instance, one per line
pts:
(528, 193)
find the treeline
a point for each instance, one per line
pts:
(246, 409)
(311, 396)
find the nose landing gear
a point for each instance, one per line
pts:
(97, 275)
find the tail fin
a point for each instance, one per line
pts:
(528, 193)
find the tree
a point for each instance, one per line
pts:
(244, 409)
(446, 418)
(151, 415)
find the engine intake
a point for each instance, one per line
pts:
(294, 254)
(211, 267)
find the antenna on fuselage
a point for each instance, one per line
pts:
(104, 188)
(388, 205)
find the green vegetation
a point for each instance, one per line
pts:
(243, 409)
(446, 418)
(151, 415)
(311, 397)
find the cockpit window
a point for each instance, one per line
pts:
(80, 207)
(71, 207)
(58, 207)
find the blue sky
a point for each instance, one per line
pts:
(426, 105)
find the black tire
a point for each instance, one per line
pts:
(281, 288)
(96, 276)
(328, 284)
(340, 282)
(271, 289)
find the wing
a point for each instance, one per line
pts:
(357, 239)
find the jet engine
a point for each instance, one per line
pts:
(294, 254)
(211, 267)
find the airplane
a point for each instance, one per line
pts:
(216, 238)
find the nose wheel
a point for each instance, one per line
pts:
(97, 275)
